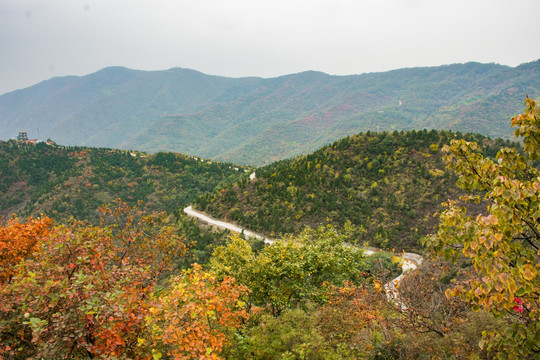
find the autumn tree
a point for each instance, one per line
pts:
(87, 291)
(17, 241)
(195, 319)
(504, 242)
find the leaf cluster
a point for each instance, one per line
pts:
(503, 242)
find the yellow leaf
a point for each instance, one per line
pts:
(529, 272)
(493, 219)
(512, 287)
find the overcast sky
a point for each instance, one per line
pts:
(40, 39)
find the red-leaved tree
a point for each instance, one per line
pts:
(87, 291)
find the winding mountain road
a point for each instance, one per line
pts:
(224, 225)
(410, 261)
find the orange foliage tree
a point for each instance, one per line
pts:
(194, 319)
(17, 240)
(87, 291)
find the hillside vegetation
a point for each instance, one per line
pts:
(386, 184)
(258, 121)
(119, 287)
(74, 181)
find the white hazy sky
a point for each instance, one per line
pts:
(40, 39)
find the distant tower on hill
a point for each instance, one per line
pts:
(23, 136)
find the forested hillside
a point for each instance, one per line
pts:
(122, 287)
(74, 181)
(258, 121)
(386, 184)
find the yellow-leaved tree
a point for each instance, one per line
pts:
(503, 243)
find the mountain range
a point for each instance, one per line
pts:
(257, 121)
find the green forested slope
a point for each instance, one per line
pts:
(73, 181)
(387, 184)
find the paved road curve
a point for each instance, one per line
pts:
(410, 260)
(224, 225)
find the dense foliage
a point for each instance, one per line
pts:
(17, 241)
(122, 285)
(386, 184)
(503, 242)
(195, 319)
(64, 182)
(294, 270)
(83, 291)
(86, 291)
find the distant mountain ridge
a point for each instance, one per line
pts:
(257, 121)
